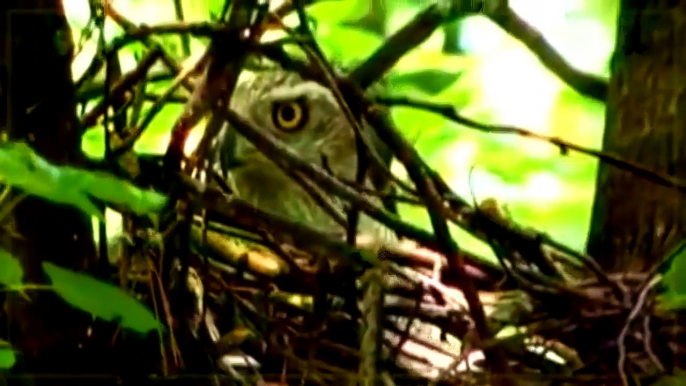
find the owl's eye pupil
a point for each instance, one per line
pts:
(287, 113)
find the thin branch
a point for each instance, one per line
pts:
(635, 311)
(144, 32)
(185, 39)
(449, 112)
(117, 93)
(588, 85)
(414, 33)
(428, 21)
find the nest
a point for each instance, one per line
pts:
(276, 302)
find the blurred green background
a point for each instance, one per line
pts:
(500, 82)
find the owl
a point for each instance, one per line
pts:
(307, 118)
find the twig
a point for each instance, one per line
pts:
(94, 89)
(372, 327)
(588, 85)
(226, 56)
(420, 28)
(410, 321)
(449, 112)
(143, 32)
(424, 24)
(185, 41)
(126, 83)
(135, 132)
(647, 343)
(640, 302)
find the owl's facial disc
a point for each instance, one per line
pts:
(290, 116)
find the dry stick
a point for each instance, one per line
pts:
(303, 69)
(93, 90)
(237, 213)
(181, 79)
(640, 302)
(319, 197)
(413, 34)
(315, 55)
(372, 327)
(647, 343)
(275, 17)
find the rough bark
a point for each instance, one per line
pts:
(39, 107)
(636, 221)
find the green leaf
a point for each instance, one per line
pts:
(511, 164)
(11, 273)
(415, 124)
(678, 379)
(347, 44)
(431, 81)
(425, 58)
(100, 299)
(110, 189)
(431, 143)
(332, 12)
(22, 168)
(670, 302)
(673, 279)
(7, 358)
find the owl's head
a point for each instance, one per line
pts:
(306, 117)
(302, 114)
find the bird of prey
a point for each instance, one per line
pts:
(305, 116)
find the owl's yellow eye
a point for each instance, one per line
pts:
(290, 116)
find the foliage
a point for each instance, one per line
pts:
(11, 274)
(674, 294)
(7, 358)
(21, 167)
(677, 379)
(100, 299)
(431, 81)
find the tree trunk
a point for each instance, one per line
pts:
(37, 90)
(635, 222)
